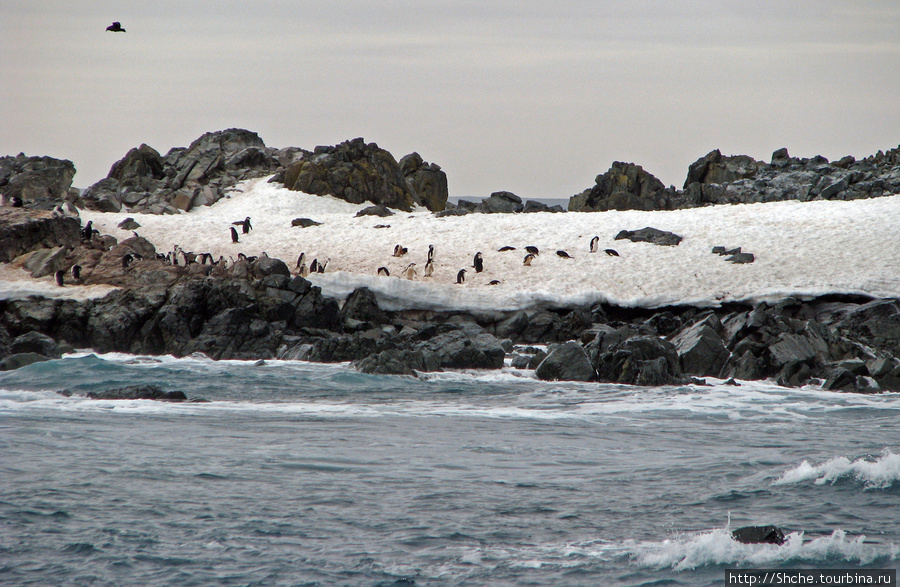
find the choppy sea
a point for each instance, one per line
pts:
(296, 473)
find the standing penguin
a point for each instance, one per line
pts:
(234, 235)
(314, 266)
(430, 253)
(429, 268)
(60, 278)
(461, 276)
(595, 242)
(478, 263)
(87, 231)
(528, 259)
(76, 272)
(301, 260)
(410, 271)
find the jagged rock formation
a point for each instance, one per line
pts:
(145, 181)
(40, 182)
(23, 230)
(359, 172)
(739, 179)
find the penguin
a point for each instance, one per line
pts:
(429, 268)
(321, 267)
(302, 271)
(410, 271)
(314, 266)
(301, 260)
(461, 276)
(60, 278)
(244, 224)
(234, 235)
(242, 257)
(478, 263)
(126, 260)
(611, 252)
(533, 250)
(430, 254)
(383, 271)
(494, 282)
(595, 242)
(506, 248)
(87, 231)
(76, 272)
(18, 203)
(400, 251)
(528, 259)
(116, 27)
(564, 255)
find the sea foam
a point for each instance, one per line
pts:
(878, 474)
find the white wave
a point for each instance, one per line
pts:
(878, 474)
(717, 548)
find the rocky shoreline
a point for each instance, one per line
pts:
(256, 309)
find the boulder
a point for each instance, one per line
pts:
(700, 349)
(566, 362)
(625, 186)
(381, 211)
(426, 180)
(458, 349)
(759, 535)
(396, 362)
(45, 262)
(35, 342)
(362, 305)
(650, 235)
(500, 203)
(353, 171)
(143, 391)
(23, 230)
(40, 182)
(639, 360)
(20, 360)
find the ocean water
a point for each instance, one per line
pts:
(295, 473)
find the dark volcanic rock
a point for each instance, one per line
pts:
(35, 342)
(566, 362)
(19, 360)
(426, 180)
(639, 360)
(459, 349)
(759, 535)
(132, 392)
(500, 203)
(650, 235)
(353, 171)
(362, 305)
(625, 186)
(381, 211)
(397, 362)
(700, 348)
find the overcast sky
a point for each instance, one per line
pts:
(532, 97)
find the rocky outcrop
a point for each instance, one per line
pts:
(23, 230)
(354, 171)
(426, 180)
(650, 235)
(566, 362)
(38, 182)
(625, 186)
(133, 392)
(145, 181)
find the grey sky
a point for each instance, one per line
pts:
(531, 97)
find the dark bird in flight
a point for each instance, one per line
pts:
(115, 27)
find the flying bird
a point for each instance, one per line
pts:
(116, 27)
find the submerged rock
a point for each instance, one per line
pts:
(145, 391)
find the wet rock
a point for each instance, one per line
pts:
(35, 342)
(19, 360)
(566, 362)
(458, 349)
(133, 392)
(396, 362)
(362, 305)
(639, 360)
(700, 349)
(759, 535)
